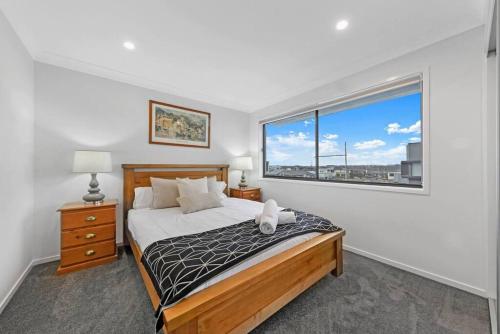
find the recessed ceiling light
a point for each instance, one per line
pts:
(342, 24)
(129, 45)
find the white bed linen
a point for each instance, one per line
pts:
(148, 226)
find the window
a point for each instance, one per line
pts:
(291, 147)
(373, 137)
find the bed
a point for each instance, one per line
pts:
(239, 299)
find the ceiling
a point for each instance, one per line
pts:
(244, 55)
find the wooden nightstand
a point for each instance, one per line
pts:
(250, 193)
(88, 235)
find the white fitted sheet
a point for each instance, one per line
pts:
(147, 226)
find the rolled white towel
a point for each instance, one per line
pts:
(268, 227)
(284, 217)
(269, 217)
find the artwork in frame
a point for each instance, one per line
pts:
(173, 125)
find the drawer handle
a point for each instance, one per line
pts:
(90, 252)
(90, 219)
(90, 236)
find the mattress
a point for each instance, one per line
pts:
(147, 226)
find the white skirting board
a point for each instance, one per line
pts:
(420, 272)
(45, 260)
(21, 278)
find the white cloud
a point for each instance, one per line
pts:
(396, 128)
(328, 147)
(395, 154)
(293, 139)
(300, 140)
(290, 149)
(392, 128)
(414, 139)
(297, 148)
(306, 123)
(330, 136)
(278, 156)
(369, 144)
(378, 157)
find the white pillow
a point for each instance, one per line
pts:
(200, 201)
(221, 186)
(143, 198)
(212, 184)
(188, 187)
(165, 193)
(215, 186)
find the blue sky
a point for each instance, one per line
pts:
(375, 134)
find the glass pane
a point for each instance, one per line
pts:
(378, 141)
(290, 147)
(390, 94)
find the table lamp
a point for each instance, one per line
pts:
(243, 164)
(92, 162)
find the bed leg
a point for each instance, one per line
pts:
(125, 239)
(125, 229)
(339, 269)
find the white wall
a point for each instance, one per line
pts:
(16, 152)
(81, 111)
(442, 235)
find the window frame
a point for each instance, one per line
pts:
(422, 188)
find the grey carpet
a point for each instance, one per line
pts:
(369, 298)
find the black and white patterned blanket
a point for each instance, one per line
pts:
(179, 265)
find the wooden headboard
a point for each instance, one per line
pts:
(139, 176)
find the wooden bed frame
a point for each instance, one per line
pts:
(241, 302)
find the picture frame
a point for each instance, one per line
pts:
(170, 124)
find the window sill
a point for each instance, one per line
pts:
(414, 191)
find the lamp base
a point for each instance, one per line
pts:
(243, 180)
(94, 196)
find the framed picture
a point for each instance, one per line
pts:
(174, 125)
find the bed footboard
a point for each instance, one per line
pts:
(243, 301)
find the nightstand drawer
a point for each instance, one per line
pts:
(87, 235)
(251, 195)
(88, 252)
(87, 218)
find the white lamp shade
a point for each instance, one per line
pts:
(242, 163)
(92, 162)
